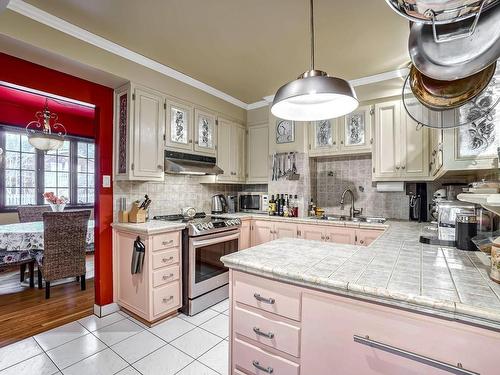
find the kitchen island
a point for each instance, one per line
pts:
(396, 306)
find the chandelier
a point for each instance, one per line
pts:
(44, 136)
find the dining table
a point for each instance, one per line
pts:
(29, 236)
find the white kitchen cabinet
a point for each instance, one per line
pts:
(324, 137)
(350, 134)
(401, 147)
(257, 154)
(231, 151)
(179, 126)
(471, 147)
(435, 146)
(139, 131)
(205, 132)
(356, 131)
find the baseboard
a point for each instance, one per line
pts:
(104, 310)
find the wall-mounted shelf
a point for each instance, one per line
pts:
(490, 202)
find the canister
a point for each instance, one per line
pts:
(465, 229)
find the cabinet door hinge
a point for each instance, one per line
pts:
(217, 122)
(216, 148)
(132, 166)
(247, 132)
(164, 137)
(309, 147)
(133, 96)
(371, 141)
(165, 105)
(372, 111)
(355, 238)
(373, 169)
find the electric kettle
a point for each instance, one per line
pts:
(219, 204)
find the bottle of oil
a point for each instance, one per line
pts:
(272, 206)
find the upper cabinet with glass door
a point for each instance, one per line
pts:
(179, 127)
(323, 137)
(356, 134)
(190, 129)
(350, 134)
(205, 132)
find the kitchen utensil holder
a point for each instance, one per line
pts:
(137, 214)
(284, 166)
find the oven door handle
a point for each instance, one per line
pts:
(200, 243)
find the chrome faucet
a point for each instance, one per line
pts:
(352, 211)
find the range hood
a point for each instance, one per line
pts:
(181, 163)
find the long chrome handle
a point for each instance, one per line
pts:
(258, 297)
(413, 356)
(269, 335)
(257, 365)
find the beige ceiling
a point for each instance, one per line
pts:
(247, 48)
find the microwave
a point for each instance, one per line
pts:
(253, 201)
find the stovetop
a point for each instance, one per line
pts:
(203, 224)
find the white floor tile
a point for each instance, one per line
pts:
(217, 358)
(76, 350)
(105, 362)
(40, 365)
(218, 325)
(117, 332)
(93, 322)
(60, 335)
(221, 306)
(18, 352)
(129, 371)
(196, 342)
(165, 361)
(199, 318)
(138, 346)
(196, 368)
(171, 329)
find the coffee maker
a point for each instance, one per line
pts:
(417, 196)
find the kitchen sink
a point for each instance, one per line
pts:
(357, 219)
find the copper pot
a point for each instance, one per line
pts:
(443, 95)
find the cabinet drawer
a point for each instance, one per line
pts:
(165, 275)
(166, 298)
(267, 295)
(253, 359)
(165, 258)
(278, 335)
(166, 240)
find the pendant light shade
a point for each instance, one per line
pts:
(314, 95)
(45, 133)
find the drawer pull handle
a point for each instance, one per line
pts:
(258, 297)
(365, 340)
(164, 243)
(269, 335)
(257, 365)
(165, 277)
(165, 260)
(165, 300)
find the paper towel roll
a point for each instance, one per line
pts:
(390, 186)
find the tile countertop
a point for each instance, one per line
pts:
(304, 220)
(150, 227)
(396, 269)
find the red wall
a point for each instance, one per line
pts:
(34, 76)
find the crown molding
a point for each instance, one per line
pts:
(59, 24)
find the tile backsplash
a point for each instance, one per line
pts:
(175, 192)
(333, 175)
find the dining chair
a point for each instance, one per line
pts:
(64, 238)
(28, 214)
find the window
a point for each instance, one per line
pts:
(85, 168)
(26, 173)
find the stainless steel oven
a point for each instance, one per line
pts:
(207, 277)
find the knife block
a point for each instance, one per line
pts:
(136, 214)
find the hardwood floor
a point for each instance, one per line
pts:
(25, 311)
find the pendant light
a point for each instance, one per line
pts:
(314, 95)
(44, 136)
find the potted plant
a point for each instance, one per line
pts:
(56, 203)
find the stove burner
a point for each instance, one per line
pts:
(202, 224)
